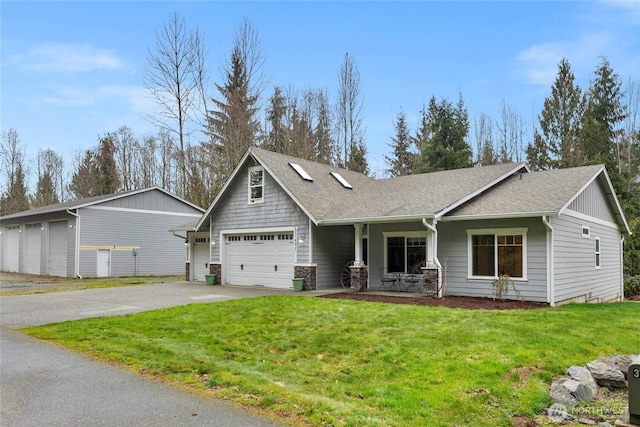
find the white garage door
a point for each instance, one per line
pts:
(58, 242)
(260, 259)
(12, 249)
(32, 258)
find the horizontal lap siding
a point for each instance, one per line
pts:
(575, 274)
(278, 210)
(159, 251)
(333, 247)
(452, 253)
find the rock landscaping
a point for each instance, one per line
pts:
(582, 384)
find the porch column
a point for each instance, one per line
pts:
(358, 243)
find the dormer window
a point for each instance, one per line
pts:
(256, 185)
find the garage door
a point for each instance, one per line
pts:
(32, 253)
(12, 251)
(260, 259)
(58, 242)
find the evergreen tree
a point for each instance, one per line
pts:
(233, 121)
(45, 192)
(402, 161)
(561, 118)
(602, 119)
(109, 181)
(448, 128)
(538, 154)
(85, 180)
(15, 199)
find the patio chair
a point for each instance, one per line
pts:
(388, 281)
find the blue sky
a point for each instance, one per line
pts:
(71, 71)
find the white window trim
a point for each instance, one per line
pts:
(497, 232)
(249, 199)
(588, 229)
(598, 253)
(406, 234)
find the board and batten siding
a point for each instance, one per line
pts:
(153, 200)
(333, 247)
(592, 202)
(234, 212)
(453, 255)
(122, 230)
(576, 275)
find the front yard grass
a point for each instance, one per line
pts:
(332, 362)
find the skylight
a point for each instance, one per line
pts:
(341, 180)
(303, 174)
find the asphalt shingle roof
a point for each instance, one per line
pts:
(420, 195)
(532, 193)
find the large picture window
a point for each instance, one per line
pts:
(256, 185)
(403, 252)
(494, 253)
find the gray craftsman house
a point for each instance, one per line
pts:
(558, 235)
(123, 234)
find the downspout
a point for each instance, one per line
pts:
(434, 230)
(551, 288)
(77, 248)
(622, 268)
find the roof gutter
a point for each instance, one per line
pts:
(76, 266)
(551, 299)
(434, 230)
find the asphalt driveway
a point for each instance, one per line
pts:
(43, 384)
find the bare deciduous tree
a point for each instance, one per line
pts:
(349, 109)
(171, 78)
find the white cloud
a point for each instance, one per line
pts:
(68, 58)
(70, 96)
(540, 62)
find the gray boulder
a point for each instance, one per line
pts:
(607, 374)
(561, 394)
(583, 376)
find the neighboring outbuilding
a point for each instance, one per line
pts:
(122, 234)
(557, 235)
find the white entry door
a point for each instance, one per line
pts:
(260, 259)
(104, 263)
(200, 260)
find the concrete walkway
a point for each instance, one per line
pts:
(43, 384)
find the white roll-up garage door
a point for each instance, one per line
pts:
(260, 259)
(58, 244)
(33, 250)
(12, 249)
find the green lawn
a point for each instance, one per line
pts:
(332, 362)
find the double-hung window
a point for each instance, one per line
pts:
(256, 185)
(497, 252)
(404, 251)
(597, 240)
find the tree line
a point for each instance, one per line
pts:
(203, 129)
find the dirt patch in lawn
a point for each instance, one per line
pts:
(470, 303)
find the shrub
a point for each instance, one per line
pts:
(632, 286)
(500, 287)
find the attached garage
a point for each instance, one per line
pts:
(12, 251)
(33, 249)
(58, 244)
(259, 259)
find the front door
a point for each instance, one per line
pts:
(200, 260)
(104, 259)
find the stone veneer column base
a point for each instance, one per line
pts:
(308, 273)
(216, 268)
(187, 271)
(359, 276)
(430, 276)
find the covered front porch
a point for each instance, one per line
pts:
(395, 257)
